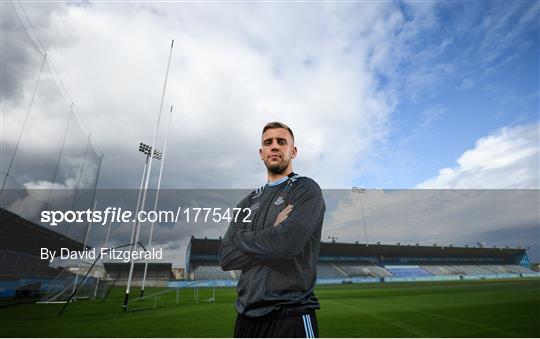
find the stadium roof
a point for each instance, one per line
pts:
(376, 250)
(20, 235)
(205, 248)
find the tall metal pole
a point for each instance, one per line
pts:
(137, 227)
(139, 197)
(157, 198)
(363, 217)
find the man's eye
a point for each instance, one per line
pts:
(282, 142)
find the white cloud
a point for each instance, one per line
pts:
(234, 68)
(507, 158)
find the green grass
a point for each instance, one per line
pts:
(488, 308)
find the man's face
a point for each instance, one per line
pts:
(277, 149)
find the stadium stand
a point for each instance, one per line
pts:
(23, 236)
(330, 271)
(340, 261)
(407, 271)
(23, 265)
(364, 269)
(497, 269)
(211, 272)
(22, 272)
(440, 270)
(518, 269)
(472, 270)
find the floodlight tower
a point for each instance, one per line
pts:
(150, 153)
(362, 191)
(157, 198)
(146, 150)
(143, 195)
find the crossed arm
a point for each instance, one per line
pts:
(230, 258)
(242, 248)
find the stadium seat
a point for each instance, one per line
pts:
(407, 271)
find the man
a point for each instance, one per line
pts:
(278, 249)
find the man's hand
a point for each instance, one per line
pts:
(283, 215)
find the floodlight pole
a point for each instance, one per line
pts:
(149, 154)
(157, 197)
(362, 191)
(138, 224)
(147, 158)
(364, 220)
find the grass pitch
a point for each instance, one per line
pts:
(486, 308)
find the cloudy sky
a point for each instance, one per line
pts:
(393, 95)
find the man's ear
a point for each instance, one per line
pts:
(294, 151)
(260, 154)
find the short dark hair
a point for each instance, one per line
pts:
(277, 124)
